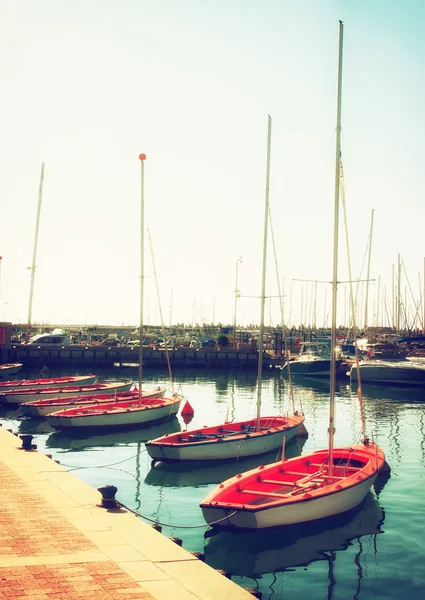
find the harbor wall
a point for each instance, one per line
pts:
(92, 356)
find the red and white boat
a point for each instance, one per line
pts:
(32, 394)
(10, 369)
(311, 487)
(241, 439)
(23, 384)
(114, 415)
(228, 441)
(298, 490)
(42, 408)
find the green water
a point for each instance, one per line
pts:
(376, 552)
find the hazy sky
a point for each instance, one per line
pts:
(87, 85)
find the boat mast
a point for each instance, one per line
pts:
(263, 283)
(142, 158)
(34, 254)
(335, 255)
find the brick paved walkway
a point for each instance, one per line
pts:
(57, 544)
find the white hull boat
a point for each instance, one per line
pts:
(42, 408)
(242, 439)
(298, 490)
(30, 395)
(116, 415)
(228, 441)
(402, 372)
(314, 360)
(56, 382)
(310, 487)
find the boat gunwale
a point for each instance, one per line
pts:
(306, 494)
(237, 437)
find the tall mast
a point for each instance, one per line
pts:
(34, 254)
(142, 158)
(263, 283)
(335, 255)
(368, 270)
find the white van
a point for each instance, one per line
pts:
(50, 338)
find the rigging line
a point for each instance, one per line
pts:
(160, 314)
(282, 316)
(353, 316)
(417, 306)
(171, 525)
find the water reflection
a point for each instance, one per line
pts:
(253, 554)
(192, 474)
(394, 394)
(80, 441)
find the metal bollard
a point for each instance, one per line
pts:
(108, 496)
(27, 442)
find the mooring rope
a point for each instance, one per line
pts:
(171, 525)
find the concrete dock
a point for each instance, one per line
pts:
(57, 543)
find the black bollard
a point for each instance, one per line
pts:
(108, 496)
(26, 441)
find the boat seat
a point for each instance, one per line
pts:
(196, 437)
(336, 466)
(277, 482)
(269, 494)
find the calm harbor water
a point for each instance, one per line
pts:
(376, 552)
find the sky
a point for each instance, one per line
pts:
(88, 85)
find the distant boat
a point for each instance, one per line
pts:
(22, 384)
(10, 369)
(33, 394)
(386, 372)
(42, 408)
(325, 483)
(314, 360)
(239, 439)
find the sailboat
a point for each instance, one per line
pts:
(138, 412)
(43, 408)
(26, 395)
(25, 384)
(238, 439)
(310, 487)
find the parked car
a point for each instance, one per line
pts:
(49, 338)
